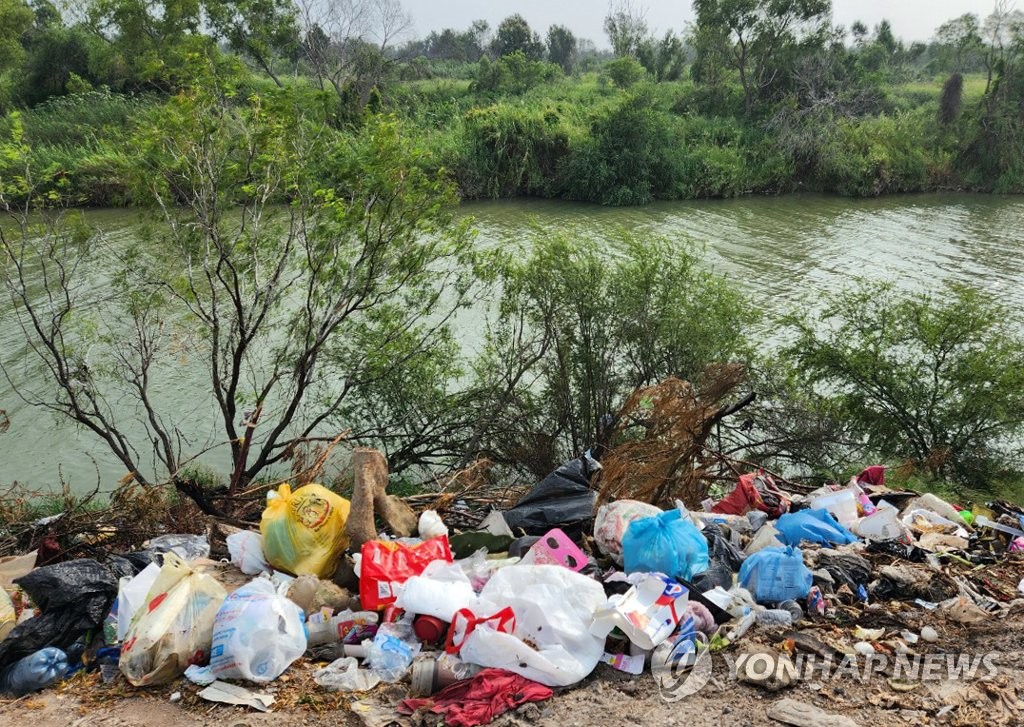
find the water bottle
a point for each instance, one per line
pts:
(392, 650)
(775, 617)
(34, 672)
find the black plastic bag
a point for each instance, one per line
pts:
(563, 500)
(845, 568)
(73, 598)
(724, 558)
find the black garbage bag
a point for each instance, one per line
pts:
(73, 597)
(563, 500)
(724, 558)
(847, 568)
(905, 551)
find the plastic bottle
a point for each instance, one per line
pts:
(794, 608)
(34, 672)
(392, 650)
(741, 627)
(775, 617)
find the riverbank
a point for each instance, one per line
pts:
(576, 139)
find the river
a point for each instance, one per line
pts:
(782, 251)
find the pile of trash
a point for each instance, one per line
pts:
(478, 622)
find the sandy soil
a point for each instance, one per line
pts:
(607, 697)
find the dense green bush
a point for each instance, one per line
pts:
(511, 149)
(934, 378)
(631, 156)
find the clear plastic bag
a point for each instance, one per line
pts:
(246, 550)
(257, 634)
(344, 675)
(175, 628)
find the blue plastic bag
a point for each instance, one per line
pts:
(776, 574)
(814, 526)
(666, 543)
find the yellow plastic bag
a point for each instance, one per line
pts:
(304, 531)
(7, 617)
(175, 627)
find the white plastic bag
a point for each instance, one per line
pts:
(613, 519)
(431, 525)
(553, 609)
(131, 596)
(175, 627)
(441, 590)
(257, 634)
(344, 675)
(246, 549)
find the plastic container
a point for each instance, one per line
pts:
(842, 505)
(556, 548)
(884, 524)
(430, 629)
(430, 675)
(34, 672)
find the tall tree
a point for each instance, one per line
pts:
(15, 20)
(514, 34)
(259, 29)
(757, 37)
(561, 46)
(347, 43)
(961, 38)
(626, 27)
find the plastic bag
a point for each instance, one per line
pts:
(73, 597)
(257, 634)
(562, 499)
(776, 574)
(131, 596)
(431, 525)
(442, 589)
(814, 526)
(246, 550)
(189, 547)
(551, 642)
(34, 672)
(344, 675)
(647, 613)
(175, 628)
(386, 565)
(613, 519)
(7, 615)
(304, 531)
(667, 543)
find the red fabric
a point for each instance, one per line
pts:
(504, 620)
(741, 500)
(873, 475)
(479, 700)
(746, 497)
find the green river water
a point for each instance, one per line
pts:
(782, 251)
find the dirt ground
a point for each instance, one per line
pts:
(607, 697)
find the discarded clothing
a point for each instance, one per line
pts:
(480, 699)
